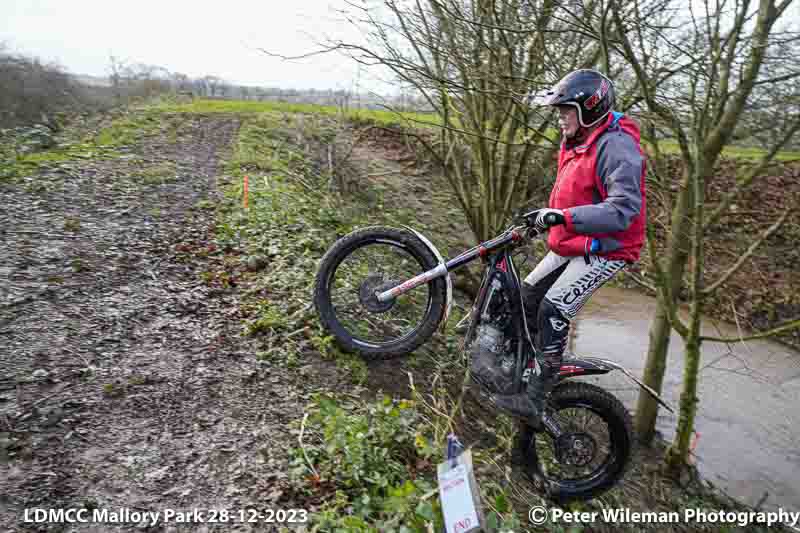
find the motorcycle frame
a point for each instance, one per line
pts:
(501, 264)
(497, 252)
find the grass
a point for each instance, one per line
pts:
(158, 173)
(384, 117)
(43, 158)
(122, 132)
(285, 191)
(731, 152)
(292, 220)
(735, 152)
(288, 190)
(127, 130)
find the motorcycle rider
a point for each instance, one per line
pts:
(598, 203)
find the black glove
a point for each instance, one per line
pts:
(549, 217)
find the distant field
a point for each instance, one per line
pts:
(737, 152)
(247, 106)
(389, 117)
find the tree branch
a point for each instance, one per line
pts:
(751, 175)
(640, 280)
(744, 257)
(786, 326)
(325, 50)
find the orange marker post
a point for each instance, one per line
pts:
(244, 199)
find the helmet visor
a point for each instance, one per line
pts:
(545, 97)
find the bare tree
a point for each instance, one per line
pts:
(132, 80)
(473, 62)
(212, 84)
(33, 92)
(116, 69)
(717, 60)
(180, 82)
(223, 88)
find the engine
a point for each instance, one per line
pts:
(493, 334)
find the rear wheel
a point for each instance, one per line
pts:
(594, 450)
(364, 263)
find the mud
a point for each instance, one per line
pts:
(124, 380)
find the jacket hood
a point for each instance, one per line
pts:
(628, 125)
(615, 120)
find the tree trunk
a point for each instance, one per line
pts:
(678, 453)
(646, 406)
(660, 329)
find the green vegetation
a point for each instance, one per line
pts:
(384, 117)
(370, 466)
(158, 173)
(735, 152)
(17, 161)
(248, 106)
(128, 129)
(731, 152)
(373, 467)
(20, 155)
(370, 458)
(290, 221)
(376, 460)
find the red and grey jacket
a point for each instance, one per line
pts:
(601, 189)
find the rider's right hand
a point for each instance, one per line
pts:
(549, 217)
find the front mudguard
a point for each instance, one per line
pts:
(448, 280)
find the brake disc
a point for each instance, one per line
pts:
(368, 292)
(575, 449)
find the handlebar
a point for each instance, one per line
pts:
(530, 229)
(513, 236)
(530, 217)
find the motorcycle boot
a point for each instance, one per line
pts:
(529, 404)
(553, 335)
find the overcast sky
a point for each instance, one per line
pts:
(196, 38)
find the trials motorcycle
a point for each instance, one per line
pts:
(382, 292)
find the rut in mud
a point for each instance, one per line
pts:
(124, 381)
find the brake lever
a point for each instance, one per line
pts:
(530, 217)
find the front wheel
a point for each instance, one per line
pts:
(369, 261)
(591, 455)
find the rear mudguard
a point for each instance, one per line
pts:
(448, 280)
(584, 366)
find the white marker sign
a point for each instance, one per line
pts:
(458, 492)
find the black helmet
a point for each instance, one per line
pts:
(587, 90)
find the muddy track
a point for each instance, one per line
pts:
(124, 381)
